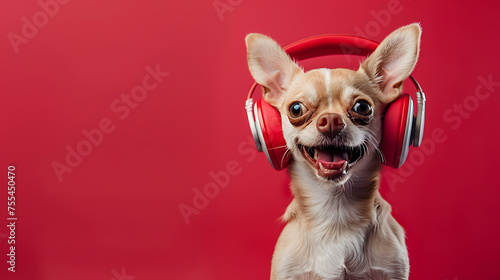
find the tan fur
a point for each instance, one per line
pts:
(337, 229)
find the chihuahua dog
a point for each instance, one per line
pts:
(338, 225)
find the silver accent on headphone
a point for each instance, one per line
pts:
(262, 141)
(251, 121)
(420, 118)
(408, 133)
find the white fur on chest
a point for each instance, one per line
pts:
(318, 252)
(328, 260)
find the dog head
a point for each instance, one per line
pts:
(332, 118)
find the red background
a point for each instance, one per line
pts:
(116, 215)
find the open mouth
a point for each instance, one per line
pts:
(332, 161)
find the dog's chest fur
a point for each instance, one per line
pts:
(325, 257)
(331, 234)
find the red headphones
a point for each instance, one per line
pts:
(400, 127)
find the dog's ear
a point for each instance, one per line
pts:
(270, 66)
(393, 60)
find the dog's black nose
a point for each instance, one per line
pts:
(330, 124)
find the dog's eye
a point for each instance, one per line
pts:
(362, 107)
(297, 109)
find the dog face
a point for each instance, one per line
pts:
(332, 118)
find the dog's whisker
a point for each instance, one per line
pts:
(371, 144)
(284, 155)
(350, 186)
(279, 147)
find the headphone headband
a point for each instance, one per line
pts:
(329, 45)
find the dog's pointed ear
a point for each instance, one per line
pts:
(393, 60)
(270, 66)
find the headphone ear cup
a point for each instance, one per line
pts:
(397, 131)
(270, 133)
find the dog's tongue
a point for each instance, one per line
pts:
(331, 157)
(330, 163)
